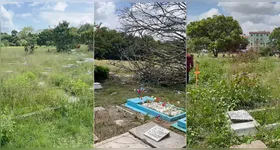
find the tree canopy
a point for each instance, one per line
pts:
(218, 34)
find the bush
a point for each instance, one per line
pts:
(101, 73)
(7, 125)
(266, 51)
(249, 56)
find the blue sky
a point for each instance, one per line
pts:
(41, 15)
(252, 16)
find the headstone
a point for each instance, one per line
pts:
(89, 59)
(240, 116)
(174, 140)
(125, 140)
(79, 62)
(157, 133)
(254, 144)
(246, 128)
(97, 86)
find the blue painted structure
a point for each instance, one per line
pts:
(181, 125)
(136, 105)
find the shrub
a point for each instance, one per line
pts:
(101, 73)
(249, 56)
(7, 125)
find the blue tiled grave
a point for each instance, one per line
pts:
(181, 125)
(136, 105)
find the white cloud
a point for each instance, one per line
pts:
(254, 16)
(105, 14)
(209, 13)
(75, 19)
(35, 4)
(7, 24)
(25, 15)
(60, 6)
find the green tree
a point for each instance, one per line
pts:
(222, 33)
(85, 27)
(23, 34)
(275, 38)
(62, 37)
(45, 38)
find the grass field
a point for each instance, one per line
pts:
(34, 82)
(221, 88)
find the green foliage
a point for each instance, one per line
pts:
(101, 73)
(266, 51)
(7, 126)
(275, 38)
(46, 38)
(63, 37)
(219, 33)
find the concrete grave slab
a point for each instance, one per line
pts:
(254, 144)
(240, 116)
(174, 140)
(97, 86)
(157, 133)
(89, 59)
(246, 128)
(125, 140)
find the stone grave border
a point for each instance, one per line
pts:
(135, 104)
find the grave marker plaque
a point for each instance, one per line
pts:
(240, 116)
(157, 133)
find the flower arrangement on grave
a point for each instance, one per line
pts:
(161, 106)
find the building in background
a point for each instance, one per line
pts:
(258, 39)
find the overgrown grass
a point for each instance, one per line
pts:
(226, 84)
(69, 126)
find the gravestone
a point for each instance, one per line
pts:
(174, 140)
(157, 133)
(89, 59)
(240, 116)
(242, 123)
(97, 86)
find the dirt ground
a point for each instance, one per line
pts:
(105, 126)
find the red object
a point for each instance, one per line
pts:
(189, 63)
(164, 104)
(157, 99)
(139, 91)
